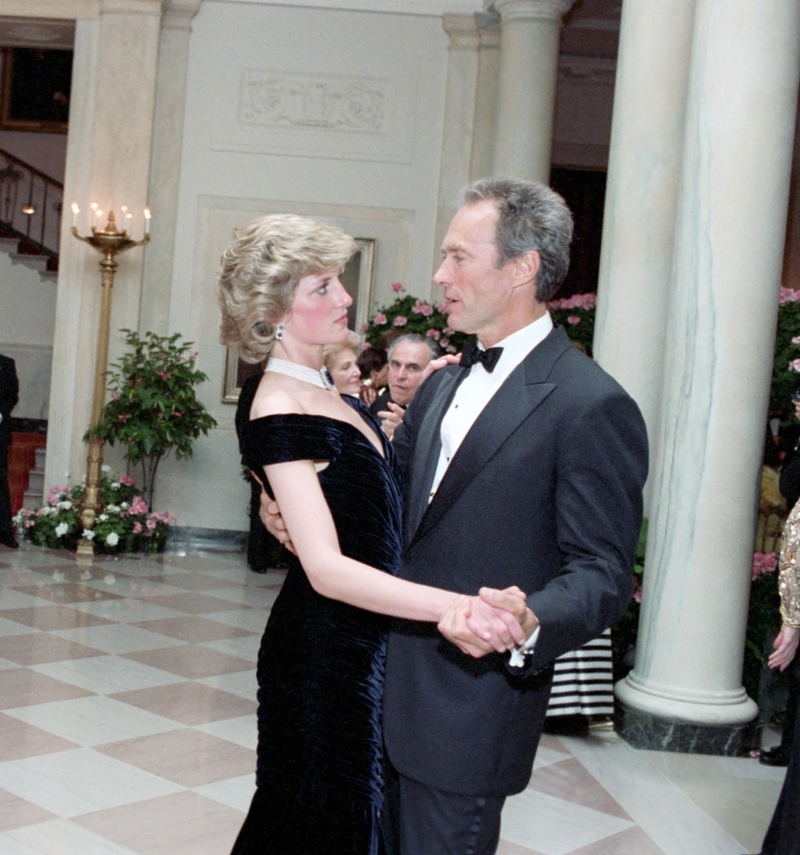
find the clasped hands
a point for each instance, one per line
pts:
(493, 621)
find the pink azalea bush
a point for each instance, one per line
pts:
(124, 524)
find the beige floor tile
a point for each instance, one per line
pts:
(632, 841)
(191, 661)
(506, 848)
(53, 617)
(180, 824)
(569, 780)
(16, 812)
(193, 603)
(190, 758)
(188, 703)
(67, 592)
(21, 687)
(19, 739)
(193, 581)
(39, 648)
(192, 629)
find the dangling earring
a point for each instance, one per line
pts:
(279, 332)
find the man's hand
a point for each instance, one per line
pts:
(391, 418)
(511, 601)
(785, 647)
(270, 515)
(477, 628)
(438, 363)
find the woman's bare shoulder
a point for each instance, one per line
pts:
(274, 401)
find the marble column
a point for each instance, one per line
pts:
(527, 91)
(488, 24)
(643, 171)
(459, 116)
(108, 160)
(165, 166)
(685, 692)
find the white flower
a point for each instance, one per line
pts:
(102, 517)
(89, 535)
(65, 505)
(105, 467)
(50, 511)
(112, 509)
(125, 505)
(112, 539)
(61, 529)
(115, 485)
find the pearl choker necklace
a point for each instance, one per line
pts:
(321, 378)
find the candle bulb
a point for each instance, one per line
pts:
(124, 223)
(128, 219)
(95, 207)
(75, 211)
(147, 216)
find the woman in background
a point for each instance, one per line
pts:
(342, 361)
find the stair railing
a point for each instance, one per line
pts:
(30, 206)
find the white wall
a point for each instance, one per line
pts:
(369, 164)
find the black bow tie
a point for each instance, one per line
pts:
(472, 354)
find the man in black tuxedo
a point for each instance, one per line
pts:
(524, 471)
(9, 395)
(524, 467)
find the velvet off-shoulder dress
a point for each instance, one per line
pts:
(319, 777)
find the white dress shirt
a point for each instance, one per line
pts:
(472, 395)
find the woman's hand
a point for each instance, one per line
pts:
(439, 363)
(785, 647)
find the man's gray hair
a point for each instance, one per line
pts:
(530, 216)
(416, 338)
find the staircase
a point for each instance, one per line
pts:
(30, 215)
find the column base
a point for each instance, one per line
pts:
(658, 733)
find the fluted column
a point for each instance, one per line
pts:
(731, 219)
(527, 92)
(643, 171)
(459, 116)
(488, 25)
(165, 168)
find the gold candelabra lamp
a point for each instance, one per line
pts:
(111, 242)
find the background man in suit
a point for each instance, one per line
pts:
(9, 395)
(409, 356)
(524, 467)
(527, 472)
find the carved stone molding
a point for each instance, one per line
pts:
(462, 30)
(283, 99)
(551, 10)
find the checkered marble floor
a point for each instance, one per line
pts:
(127, 727)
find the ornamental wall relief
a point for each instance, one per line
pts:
(306, 101)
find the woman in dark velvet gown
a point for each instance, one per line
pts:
(319, 778)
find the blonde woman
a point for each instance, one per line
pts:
(319, 779)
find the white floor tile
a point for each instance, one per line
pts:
(95, 720)
(253, 619)
(128, 610)
(235, 792)
(58, 837)
(245, 647)
(242, 683)
(71, 783)
(118, 638)
(243, 730)
(106, 675)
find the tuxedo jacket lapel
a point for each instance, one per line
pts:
(524, 390)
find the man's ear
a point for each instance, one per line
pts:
(526, 267)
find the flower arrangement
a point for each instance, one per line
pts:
(786, 364)
(409, 314)
(125, 524)
(154, 407)
(576, 315)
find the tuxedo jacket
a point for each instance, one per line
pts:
(545, 492)
(9, 395)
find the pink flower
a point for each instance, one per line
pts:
(441, 306)
(401, 321)
(434, 334)
(165, 374)
(126, 480)
(794, 365)
(445, 343)
(137, 529)
(397, 286)
(788, 295)
(379, 319)
(448, 330)
(138, 505)
(763, 562)
(796, 339)
(29, 523)
(573, 320)
(364, 327)
(426, 310)
(151, 524)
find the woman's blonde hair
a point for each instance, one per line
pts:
(260, 270)
(331, 351)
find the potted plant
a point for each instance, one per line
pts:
(153, 407)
